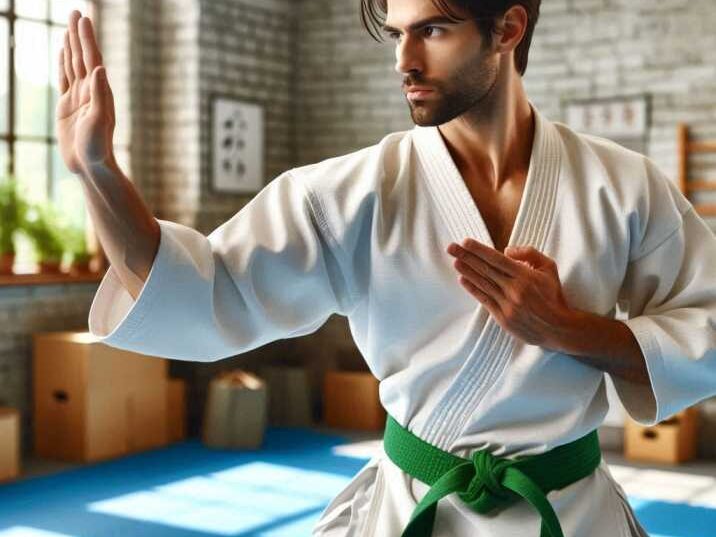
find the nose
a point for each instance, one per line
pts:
(408, 56)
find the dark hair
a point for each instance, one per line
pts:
(484, 13)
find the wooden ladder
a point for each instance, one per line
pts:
(686, 147)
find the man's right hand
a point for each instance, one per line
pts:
(85, 109)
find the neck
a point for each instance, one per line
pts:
(492, 143)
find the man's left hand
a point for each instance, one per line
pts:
(520, 288)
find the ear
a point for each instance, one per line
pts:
(511, 28)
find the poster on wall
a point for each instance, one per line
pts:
(237, 146)
(624, 120)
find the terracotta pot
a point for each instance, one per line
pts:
(6, 262)
(50, 267)
(80, 267)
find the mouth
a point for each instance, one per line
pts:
(417, 93)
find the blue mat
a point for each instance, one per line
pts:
(188, 490)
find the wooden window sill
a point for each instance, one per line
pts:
(7, 280)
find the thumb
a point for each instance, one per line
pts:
(526, 254)
(520, 252)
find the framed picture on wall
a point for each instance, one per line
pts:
(622, 119)
(237, 145)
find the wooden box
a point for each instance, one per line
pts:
(9, 444)
(176, 410)
(351, 401)
(95, 402)
(671, 441)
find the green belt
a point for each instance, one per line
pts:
(486, 482)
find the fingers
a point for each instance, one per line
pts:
(101, 93)
(64, 84)
(78, 64)
(67, 59)
(97, 87)
(91, 54)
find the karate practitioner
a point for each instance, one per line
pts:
(479, 258)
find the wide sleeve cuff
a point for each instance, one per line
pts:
(115, 317)
(643, 402)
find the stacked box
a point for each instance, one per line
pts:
(351, 401)
(94, 402)
(176, 410)
(671, 441)
(9, 444)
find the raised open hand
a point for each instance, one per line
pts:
(85, 109)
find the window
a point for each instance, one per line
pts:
(32, 32)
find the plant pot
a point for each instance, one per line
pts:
(50, 267)
(6, 262)
(80, 267)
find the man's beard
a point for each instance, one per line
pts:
(470, 89)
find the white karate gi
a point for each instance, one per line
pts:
(364, 235)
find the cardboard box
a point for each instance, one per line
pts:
(94, 402)
(351, 401)
(671, 441)
(289, 396)
(9, 444)
(236, 411)
(176, 410)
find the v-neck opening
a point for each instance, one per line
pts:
(524, 195)
(460, 210)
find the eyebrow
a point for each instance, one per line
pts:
(438, 19)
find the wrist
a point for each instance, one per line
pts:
(575, 330)
(101, 168)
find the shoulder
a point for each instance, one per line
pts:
(344, 191)
(370, 164)
(639, 189)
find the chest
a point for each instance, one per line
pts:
(498, 209)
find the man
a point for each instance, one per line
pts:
(478, 257)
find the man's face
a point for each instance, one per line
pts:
(448, 58)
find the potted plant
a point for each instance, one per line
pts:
(76, 244)
(43, 227)
(12, 213)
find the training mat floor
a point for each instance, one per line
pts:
(189, 490)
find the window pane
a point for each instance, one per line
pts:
(57, 36)
(4, 83)
(60, 9)
(31, 169)
(36, 9)
(31, 68)
(68, 196)
(4, 5)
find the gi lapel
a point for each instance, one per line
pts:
(458, 211)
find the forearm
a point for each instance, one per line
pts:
(605, 344)
(125, 227)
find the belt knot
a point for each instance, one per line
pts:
(485, 490)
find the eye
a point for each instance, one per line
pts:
(393, 35)
(432, 28)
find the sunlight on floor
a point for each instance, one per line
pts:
(695, 490)
(240, 499)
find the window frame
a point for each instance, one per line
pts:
(11, 137)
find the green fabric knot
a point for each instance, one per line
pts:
(485, 490)
(485, 482)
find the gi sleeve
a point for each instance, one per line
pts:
(272, 271)
(671, 291)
